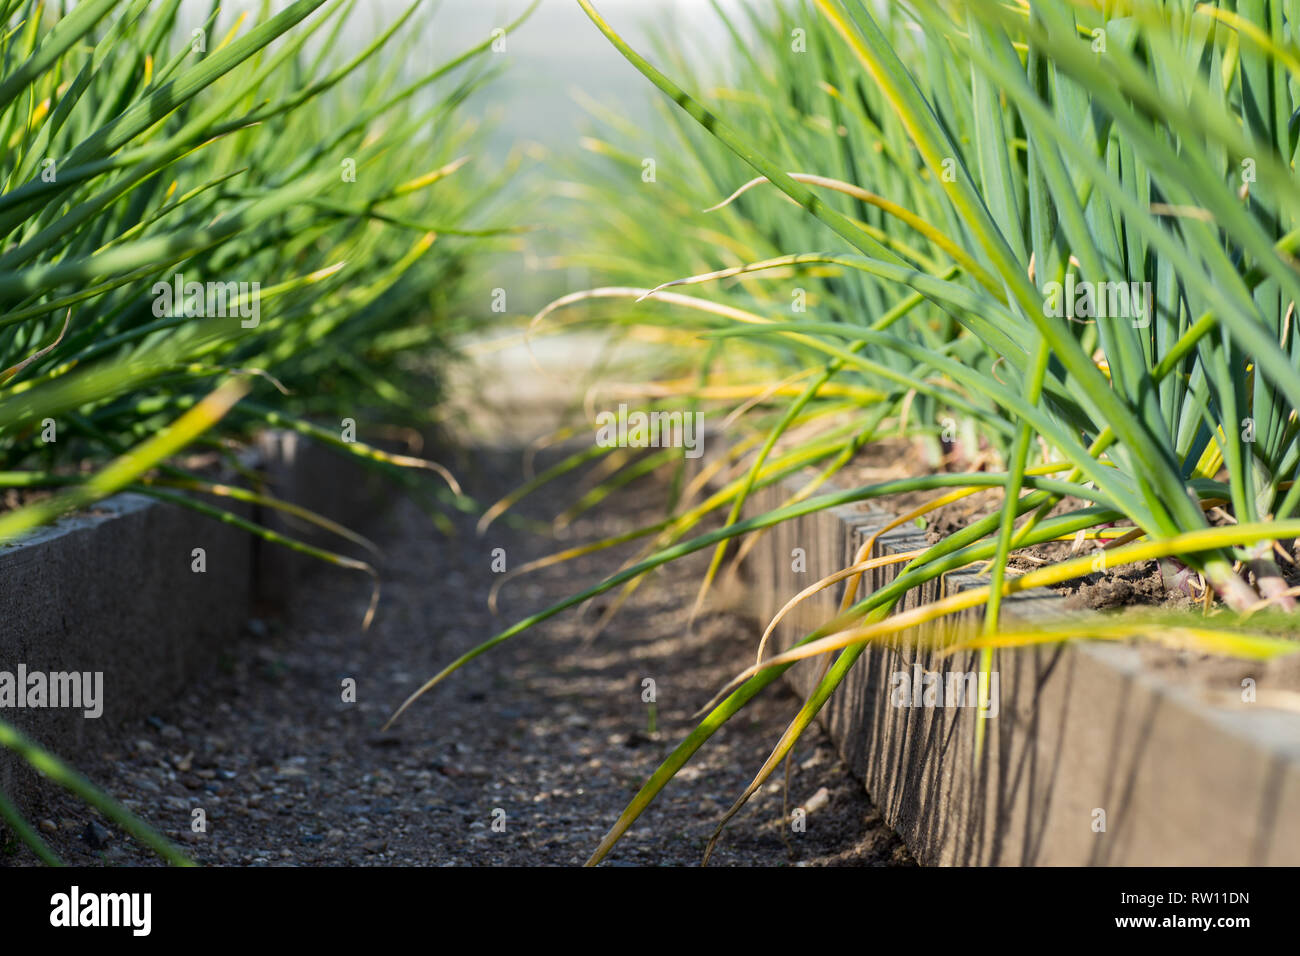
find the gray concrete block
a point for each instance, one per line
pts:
(1081, 728)
(112, 592)
(323, 480)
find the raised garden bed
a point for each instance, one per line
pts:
(112, 595)
(1184, 774)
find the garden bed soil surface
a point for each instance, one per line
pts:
(550, 727)
(1115, 590)
(206, 465)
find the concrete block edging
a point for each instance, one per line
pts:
(111, 595)
(1085, 734)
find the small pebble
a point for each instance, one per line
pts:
(817, 800)
(96, 836)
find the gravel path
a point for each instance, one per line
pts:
(549, 728)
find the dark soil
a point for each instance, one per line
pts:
(548, 732)
(1117, 590)
(1140, 585)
